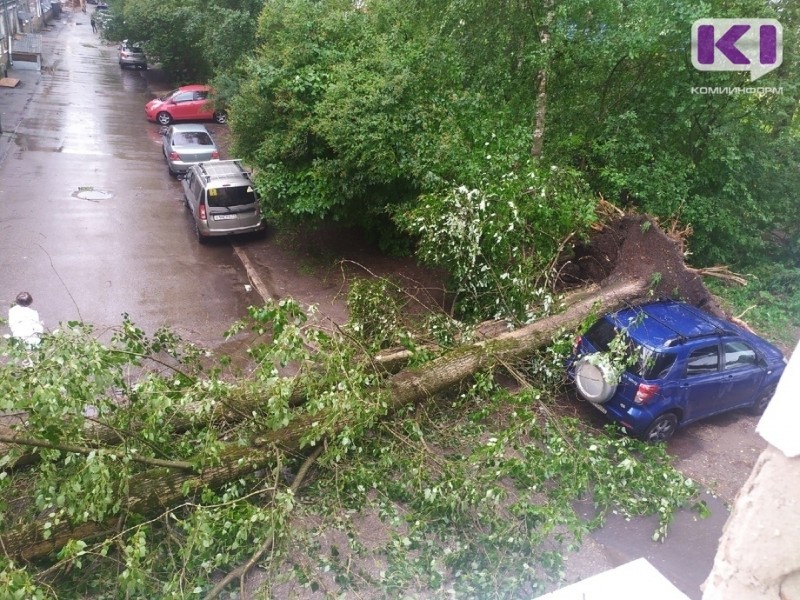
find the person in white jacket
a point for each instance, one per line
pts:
(24, 321)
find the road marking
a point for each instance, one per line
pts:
(253, 275)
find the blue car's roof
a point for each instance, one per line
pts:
(666, 323)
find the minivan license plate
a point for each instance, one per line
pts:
(223, 217)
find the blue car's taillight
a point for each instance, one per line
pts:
(645, 393)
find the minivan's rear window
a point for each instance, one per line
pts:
(231, 196)
(649, 363)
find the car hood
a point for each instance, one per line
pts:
(154, 102)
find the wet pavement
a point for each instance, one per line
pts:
(717, 453)
(91, 224)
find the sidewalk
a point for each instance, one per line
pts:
(14, 101)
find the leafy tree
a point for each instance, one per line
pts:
(500, 241)
(192, 39)
(349, 112)
(633, 124)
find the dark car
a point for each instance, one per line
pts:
(672, 365)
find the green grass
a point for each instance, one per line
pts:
(770, 302)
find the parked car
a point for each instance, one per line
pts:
(131, 55)
(187, 103)
(675, 365)
(222, 199)
(186, 144)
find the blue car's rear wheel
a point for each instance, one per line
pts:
(661, 429)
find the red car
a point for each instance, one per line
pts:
(187, 103)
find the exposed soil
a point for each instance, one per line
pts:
(634, 247)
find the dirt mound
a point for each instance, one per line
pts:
(634, 247)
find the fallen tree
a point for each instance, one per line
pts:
(156, 490)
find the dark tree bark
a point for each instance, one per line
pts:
(537, 145)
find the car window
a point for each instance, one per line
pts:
(649, 363)
(192, 138)
(183, 97)
(600, 334)
(202, 95)
(703, 361)
(738, 355)
(652, 364)
(231, 196)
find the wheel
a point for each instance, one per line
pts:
(761, 403)
(144, 67)
(595, 379)
(121, 65)
(164, 118)
(661, 429)
(169, 167)
(201, 239)
(220, 116)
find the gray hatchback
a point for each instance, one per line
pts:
(222, 199)
(185, 145)
(131, 55)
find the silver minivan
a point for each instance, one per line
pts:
(222, 199)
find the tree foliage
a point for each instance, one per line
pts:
(499, 242)
(480, 474)
(351, 110)
(358, 111)
(194, 40)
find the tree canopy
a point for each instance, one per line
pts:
(361, 111)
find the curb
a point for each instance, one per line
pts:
(253, 275)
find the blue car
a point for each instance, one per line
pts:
(672, 365)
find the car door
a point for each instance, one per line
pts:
(183, 106)
(166, 140)
(743, 371)
(203, 108)
(189, 183)
(702, 383)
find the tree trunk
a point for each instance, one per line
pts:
(159, 489)
(195, 414)
(537, 144)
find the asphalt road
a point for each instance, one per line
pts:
(91, 224)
